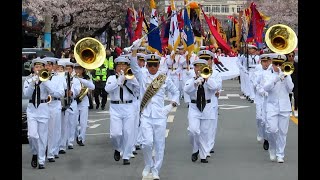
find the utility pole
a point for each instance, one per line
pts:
(47, 32)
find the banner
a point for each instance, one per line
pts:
(227, 67)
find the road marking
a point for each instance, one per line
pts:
(103, 112)
(170, 118)
(92, 121)
(229, 106)
(97, 134)
(233, 95)
(147, 177)
(167, 132)
(174, 109)
(94, 126)
(242, 97)
(294, 119)
(223, 97)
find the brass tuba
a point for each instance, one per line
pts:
(44, 75)
(281, 39)
(89, 53)
(287, 68)
(205, 71)
(128, 73)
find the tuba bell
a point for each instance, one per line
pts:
(44, 75)
(287, 68)
(205, 71)
(128, 73)
(89, 53)
(281, 39)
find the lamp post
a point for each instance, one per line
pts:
(47, 32)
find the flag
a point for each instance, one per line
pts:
(138, 30)
(188, 38)
(67, 40)
(174, 33)
(256, 25)
(154, 32)
(217, 36)
(128, 24)
(166, 26)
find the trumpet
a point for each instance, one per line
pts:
(128, 73)
(205, 71)
(44, 75)
(287, 68)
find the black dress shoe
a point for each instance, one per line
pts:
(77, 140)
(51, 160)
(126, 162)
(81, 143)
(204, 161)
(134, 152)
(212, 151)
(265, 145)
(34, 161)
(41, 166)
(194, 156)
(116, 155)
(252, 101)
(56, 156)
(97, 106)
(70, 147)
(62, 152)
(102, 108)
(138, 147)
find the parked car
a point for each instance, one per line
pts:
(24, 126)
(35, 52)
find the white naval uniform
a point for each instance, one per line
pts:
(214, 123)
(153, 117)
(259, 98)
(242, 74)
(37, 118)
(83, 112)
(68, 120)
(174, 69)
(253, 60)
(186, 74)
(278, 111)
(199, 122)
(122, 116)
(54, 123)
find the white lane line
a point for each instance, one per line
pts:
(92, 121)
(170, 118)
(167, 132)
(242, 97)
(233, 95)
(223, 97)
(103, 112)
(94, 126)
(97, 134)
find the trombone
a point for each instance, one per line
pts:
(287, 68)
(44, 75)
(128, 73)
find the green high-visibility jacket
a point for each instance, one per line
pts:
(108, 63)
(101, 74)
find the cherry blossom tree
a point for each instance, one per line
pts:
(280, 12)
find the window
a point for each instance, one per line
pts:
(239, 7)
(224, 9)
(206, 8)
(232, 9)
(216, 9)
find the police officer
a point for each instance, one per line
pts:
(38, 113)
(99, 75)
(122, 110)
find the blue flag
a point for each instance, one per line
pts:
(188, 37)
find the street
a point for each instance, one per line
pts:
(238, 155)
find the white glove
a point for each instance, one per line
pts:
(136, 44)
(35, 78)
(121, 79)
(186, 53)
(281, 75)
(172, 53)
(265, 94)
(127, 49)
(167, 109)
(199, 81)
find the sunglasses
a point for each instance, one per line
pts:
(277, 63)
(290, 55)
(154, 64)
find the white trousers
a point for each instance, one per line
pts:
(38, 135)
(122, 120)
(54, 130)
(259, 120)
(277, 128)
(153, 132)
(199, 134)
(250, 84)
(68, 125)
(213, 123)
(176, 82)
(136, 130)
(83, 114)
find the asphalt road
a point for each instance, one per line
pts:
(238, 155)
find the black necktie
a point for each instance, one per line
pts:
(201, 98)
(36, 92)
(121, 93)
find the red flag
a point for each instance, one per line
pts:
(217, 36)
(138, 30)
(180, 21)
(258, 23)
